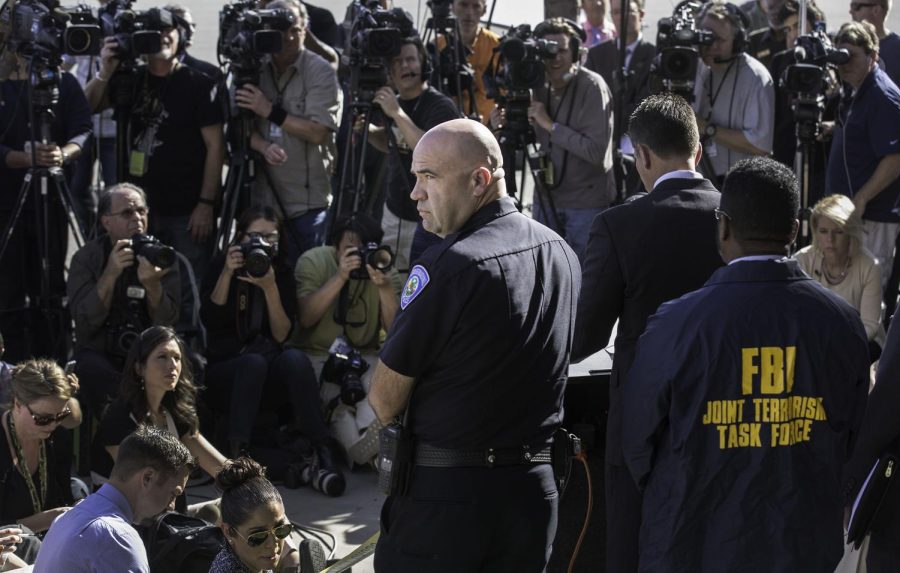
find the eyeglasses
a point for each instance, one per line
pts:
(129, 212)
(270, 238)
(857, 6)
(47, 419)
(720, 213)
(258, 538)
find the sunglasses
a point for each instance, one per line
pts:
(47, 419)
(260, 537)
(129, 212)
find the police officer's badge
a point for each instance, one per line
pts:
(417, 281)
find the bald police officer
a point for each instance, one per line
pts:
(743, 396)
(479, 352)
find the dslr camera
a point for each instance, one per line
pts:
(128, 316)
(149, 247)
(258, 254)
(44, 28)
(138, 32)
(345, 367)
(247, 34)
(805, 79)
(380, 257)
(375, 37)
(517, 67)
(677, 42)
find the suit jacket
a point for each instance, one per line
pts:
(604, 59)
(640, 255)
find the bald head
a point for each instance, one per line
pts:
(458, 169)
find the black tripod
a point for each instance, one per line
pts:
(353, 170)
(452, 74)
(43, 95)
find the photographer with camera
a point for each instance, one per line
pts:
(176, 143)
(864, 163)
(876, 12)
(249, 309)
(21, 148)
(410, 107)
(119, 284)
(736, 99)
(297, 105)
(572, 117)
(344, 304)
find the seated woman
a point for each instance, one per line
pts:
(156, 390)
(256, 529)
(248, 313)
(35, 462)
(837, 259)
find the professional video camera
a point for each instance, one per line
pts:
(137, 32)
(376, 36)
(247, 34)
(677, 42)
(805, 79)
(380, 257)
(43, 28)
(345, 367)
(258, 254)
(517, 67)
(149, 247)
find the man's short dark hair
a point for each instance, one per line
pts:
(366, 227)
(666, 124)
(150, 447)
(104, 204)
(761, 200)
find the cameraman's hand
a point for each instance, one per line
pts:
(265, 282)
(149, 274)
(827, 131)
(109, 57)
(275, 154)
(379, 278)
(200, 224)
(350, 260)
(250, 97)
(120, 258)
(538, 115)
(46, 155)
(387, 100)
(234, 260)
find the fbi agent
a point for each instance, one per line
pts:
(479, 352)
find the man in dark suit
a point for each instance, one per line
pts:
(604, 59)
(650, 250)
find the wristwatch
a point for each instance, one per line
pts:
(710, 131)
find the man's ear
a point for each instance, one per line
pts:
(642, 155)
(482, 179)
(148, 476)
(698, 157)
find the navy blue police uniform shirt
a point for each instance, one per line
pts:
(485, 328)
(739, 412)
(870, 131)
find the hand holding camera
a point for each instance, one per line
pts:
(45, 154)
(109, 60)
(387, 100)
(120, 258)
(251, 97)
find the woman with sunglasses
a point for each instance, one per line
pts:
(157, 390)
(34, 465)
(253, 521)
(248, 310)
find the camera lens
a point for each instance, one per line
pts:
(381, 259)
(352, 389)
(257, 263)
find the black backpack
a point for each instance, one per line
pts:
(178, 543)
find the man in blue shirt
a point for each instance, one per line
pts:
(876, 12)
(96, 535)
(865, 155)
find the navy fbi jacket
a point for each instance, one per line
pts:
(485, 328)
(739, 412)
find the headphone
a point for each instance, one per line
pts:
(740, 23)
(426, 69)
(577, 35)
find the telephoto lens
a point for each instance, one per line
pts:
(149, 247)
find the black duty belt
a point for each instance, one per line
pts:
(432, 457)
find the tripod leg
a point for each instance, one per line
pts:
(65, 199)
(20, 204)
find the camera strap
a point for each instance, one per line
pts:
(713, 97)
(573, 85)
(249, 311)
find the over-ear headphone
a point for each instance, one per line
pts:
(740, 23)
(577, 35)
(424, 58)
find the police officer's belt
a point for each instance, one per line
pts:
(432, 457)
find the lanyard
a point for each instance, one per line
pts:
(37, 501)
(276, 80)
(713, 98)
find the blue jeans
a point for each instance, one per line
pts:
(575, 225)
(309, 228)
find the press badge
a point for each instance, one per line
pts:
(275, 131)
(138, 163)
(711, 149)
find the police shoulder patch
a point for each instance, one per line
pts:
(417, 281)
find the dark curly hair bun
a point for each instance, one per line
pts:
(238, 472)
